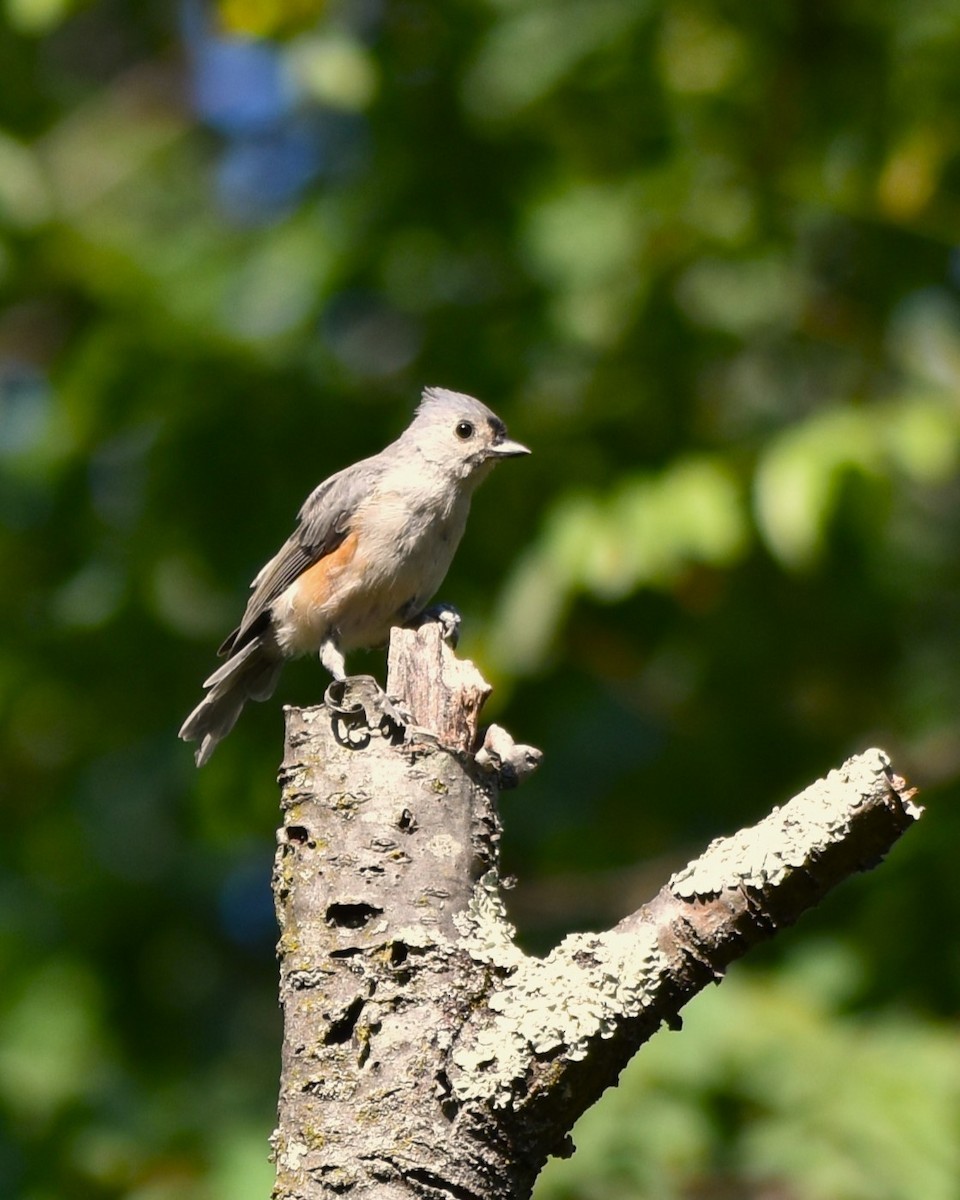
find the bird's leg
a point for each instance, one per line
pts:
(331, 656)
(357, 695)
(351, 695)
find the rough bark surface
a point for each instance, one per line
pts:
(424, 1054)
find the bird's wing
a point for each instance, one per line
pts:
(323, 523)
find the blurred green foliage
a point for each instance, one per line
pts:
(703, 261)
(774, 1091)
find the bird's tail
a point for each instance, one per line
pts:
(250, 674)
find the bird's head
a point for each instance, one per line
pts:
(459, 435)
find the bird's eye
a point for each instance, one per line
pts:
(464, 430)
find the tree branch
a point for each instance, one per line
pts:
(424, 1053)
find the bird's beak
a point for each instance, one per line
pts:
(508, 449)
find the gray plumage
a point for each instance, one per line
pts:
(371, 546)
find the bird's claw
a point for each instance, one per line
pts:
(357, 695)
(449, 620)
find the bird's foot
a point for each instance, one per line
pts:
(361, 694)
(447, 617)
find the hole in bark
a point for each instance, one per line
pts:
(400, 955)
(407, 822)
(341, 1030)
(448, 1105)
(446, 1187)
(351, 916)
(298, 833)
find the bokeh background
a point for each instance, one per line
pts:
(703, 258)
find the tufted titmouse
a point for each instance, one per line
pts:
(372, 545)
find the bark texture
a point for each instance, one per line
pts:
(424, 1054)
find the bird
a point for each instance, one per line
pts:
(370, 548)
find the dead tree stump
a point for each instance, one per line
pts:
(424, 1054)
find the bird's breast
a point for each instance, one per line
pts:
(392, 562)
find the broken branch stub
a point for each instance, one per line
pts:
(443, 694)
